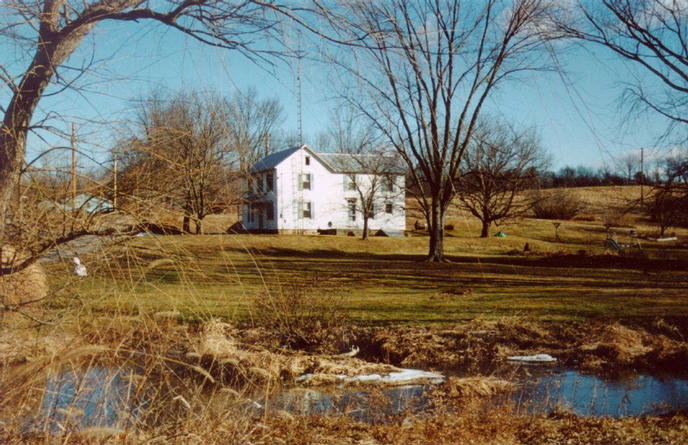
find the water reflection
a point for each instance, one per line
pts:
(97, 397)
(371, 406)
(589, 395)
(540, 390)
(103, 397)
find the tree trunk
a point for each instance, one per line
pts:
(199, 226)
(186, 224)
(365, 228)
(51, 51)
(436, 230)
(485, 230)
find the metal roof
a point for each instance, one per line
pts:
(362, 163)
(338, 162)
(272, 160)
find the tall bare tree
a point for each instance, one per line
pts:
(373, 178)
(628, 165)
(499, 164)
(181, 155)
(423, 71)
(668, 200)
(370, 168)
(50, 31)
(252, 122)
(648, 33)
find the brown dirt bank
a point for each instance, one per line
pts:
(490, 427)
(482, 345)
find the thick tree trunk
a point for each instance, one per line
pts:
(186, 224)
(436, 230)
(484, 233)
(365, 228)
(52, 50)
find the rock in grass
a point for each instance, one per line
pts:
(25, 285)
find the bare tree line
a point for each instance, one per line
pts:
(191, 152)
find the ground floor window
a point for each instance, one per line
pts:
(270, 211)
(351, 206)
(306, 210)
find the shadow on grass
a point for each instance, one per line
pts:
(553, 261)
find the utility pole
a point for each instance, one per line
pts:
(19, 196)
(642, 176)
(73, 170)
(298, 98)
(114, 182)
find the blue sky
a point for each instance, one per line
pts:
(580, 124)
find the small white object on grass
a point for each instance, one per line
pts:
(79, 269)
(354, 351)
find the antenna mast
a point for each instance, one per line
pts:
(299, 103)
(73, 143)
(298, 99)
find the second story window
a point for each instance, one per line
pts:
(350, 182)
(308, 160)
(389, 208)
(388, 184)
(305, 183)
(270, 182)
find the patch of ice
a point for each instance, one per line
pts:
(304, 377)
(537, 358)
(397, 377)
(366, 378)
(412, 374)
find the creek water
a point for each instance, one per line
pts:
(590, 395)
(103, 397)
(539, 390)
(97, 397)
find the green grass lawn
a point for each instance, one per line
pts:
(385, 281)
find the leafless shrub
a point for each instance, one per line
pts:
(303, 315)
(561, 204)
(617, 216)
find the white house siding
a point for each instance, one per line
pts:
(328, 199)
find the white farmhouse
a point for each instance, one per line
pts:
(301, 191)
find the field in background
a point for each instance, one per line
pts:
(384, 281)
